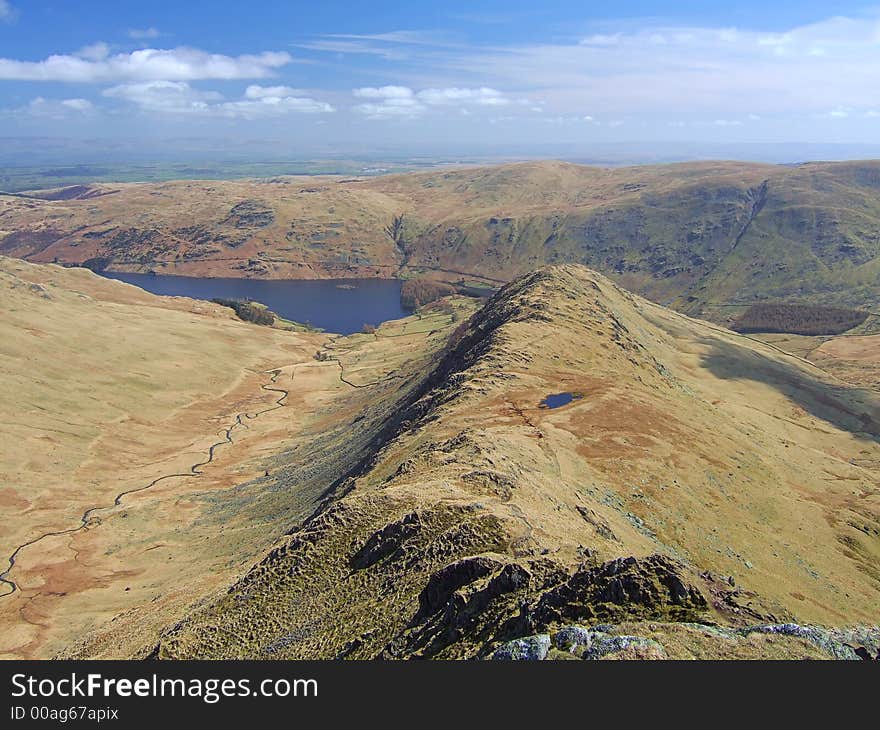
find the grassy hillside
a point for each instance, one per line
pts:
(478, 517)
(117, 410)
(694, 236)
(151, 448)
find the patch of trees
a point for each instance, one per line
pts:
(98, 263)
(248, 311)
(798, 319)
(416, 292)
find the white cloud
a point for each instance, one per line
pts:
(572, 120)
(261, 92)
(389, 102)
(178, 97)
(640, 70)
(384, 92)
(714, 72)
(602, 40)
(482, 96)
(271, 101)
(331, 45)
(143, 33)
(60, 110)
(7, 12)
(148, 64)
(390, 110)
(397, 45)
(94, 52)
(79, 105)
(718, 81)
(404, 102)
(404, 37)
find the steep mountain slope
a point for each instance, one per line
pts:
(692, 236)
(695, 476)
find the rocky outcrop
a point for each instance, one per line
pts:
(850, 644)
(250, 214)
(577, 642)
(653, 587)
(529, 648)
(607, 641)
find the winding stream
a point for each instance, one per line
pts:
(194, 471)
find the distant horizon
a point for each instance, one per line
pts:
(29, 152)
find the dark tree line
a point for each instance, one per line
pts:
(416, 292)
(798, 319)
(247, 311)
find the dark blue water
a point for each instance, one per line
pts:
(557, 400)
(335, 305)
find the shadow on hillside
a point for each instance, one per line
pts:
(849, 408)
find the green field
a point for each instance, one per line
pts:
(15, 179)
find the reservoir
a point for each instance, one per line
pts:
(335, 305)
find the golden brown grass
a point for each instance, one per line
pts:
(689, 440)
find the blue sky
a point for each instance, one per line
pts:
(396, 75)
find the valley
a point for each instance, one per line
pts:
(698, 237)
(219, 489)
(124, 459)
(590, 449)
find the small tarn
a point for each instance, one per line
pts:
(557, 400)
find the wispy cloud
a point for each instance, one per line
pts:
(140, 34)
(148, 64)
(732, 83)
(7, 12)
(398, 45)
(652, 69)
(54, 109)
(708, 70)
(344, 46)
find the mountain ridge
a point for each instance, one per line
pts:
(690, 235)
(480, 517)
